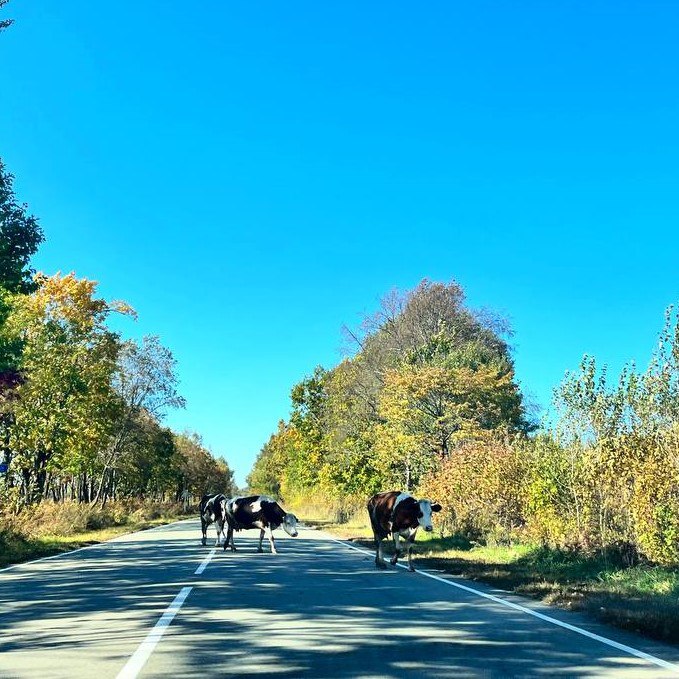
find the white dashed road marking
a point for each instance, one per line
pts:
(205, 562)
(143, 652)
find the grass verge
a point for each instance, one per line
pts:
(19, 544)
(643, 598)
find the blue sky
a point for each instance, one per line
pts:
(251, 176)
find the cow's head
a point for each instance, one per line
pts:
(290, 525)
(424, 515)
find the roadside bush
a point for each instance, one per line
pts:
(481, 486)
(655, 498)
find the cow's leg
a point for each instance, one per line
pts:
(271, 541)
(379, 559)
(409, 548)
(261, 538)
(397, 548)
(229, 539)
(219, 526)
(203, 528)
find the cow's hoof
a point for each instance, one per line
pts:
(203, 542)
(380, 565)
(411, 569)
(393, 560)
(260, 551)
(273, 551)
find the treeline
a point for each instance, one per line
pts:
(427, 375)
(428, 402)
(81, 408)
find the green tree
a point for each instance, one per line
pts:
(198, 472)
(146, 385)
(5, 23)
(66, 404)
(427, 373)
(20, 236)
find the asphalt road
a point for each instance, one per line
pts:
(136, 606)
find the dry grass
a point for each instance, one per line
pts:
(51, 528)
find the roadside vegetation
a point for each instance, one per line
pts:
(584, 512)
(82, 441)
(51, 528)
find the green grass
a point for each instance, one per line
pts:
(643, 598)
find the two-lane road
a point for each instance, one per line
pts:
(156, 603)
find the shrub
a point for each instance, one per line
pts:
(481, 486)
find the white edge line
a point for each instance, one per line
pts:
(541, 616)
(205, 561)
(82, 549)
(144, 650)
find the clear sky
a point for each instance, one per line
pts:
(250, 176)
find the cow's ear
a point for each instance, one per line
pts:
(436, 508)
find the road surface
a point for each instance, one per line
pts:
(157, 604)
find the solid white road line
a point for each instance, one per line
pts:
(143, 652)
(205, 562)
(541, 616)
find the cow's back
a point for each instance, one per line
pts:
(256, 511)
(243, 512)
(380, 508)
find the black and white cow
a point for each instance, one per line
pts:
(212, 510)
(258, 511)
(399, 515)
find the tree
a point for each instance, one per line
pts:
(20, 236)
(198, 471)
(5, 23)
(427, 374)
(146, 384)
(66, 404)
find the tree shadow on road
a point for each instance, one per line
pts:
(314, 610)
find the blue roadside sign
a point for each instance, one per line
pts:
(3, 467)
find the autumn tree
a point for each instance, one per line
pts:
(66, 404)
(427, 374)
(198, 472)
(146, 384)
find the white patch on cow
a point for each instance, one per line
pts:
(425, 519)
(257, 504)
(290, 525)
(408, 532)
(399, 499)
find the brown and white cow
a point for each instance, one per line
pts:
(399, 515)
(258, 511)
